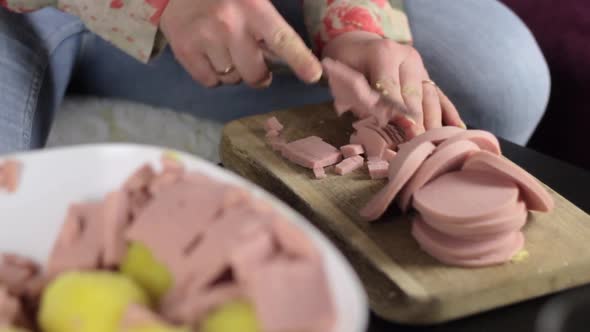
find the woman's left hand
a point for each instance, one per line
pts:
(396, 70)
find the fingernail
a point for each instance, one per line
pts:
(462, 125)
(317, 76)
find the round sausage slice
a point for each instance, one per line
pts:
(401, 169)
(466, 195)
(513, 220)
(485, 140)
(373, 143)
(534, 195)
(442, 244)
(434, 136)
(445, 159)
(498, 257)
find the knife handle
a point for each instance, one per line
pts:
(277, 66)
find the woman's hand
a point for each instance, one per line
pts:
(221, 40)
(397, 71)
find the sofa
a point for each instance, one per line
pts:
(562, 29)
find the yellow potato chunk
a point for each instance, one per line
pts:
(88, 302)
(157, 328)
(140, 265)
(232, 316)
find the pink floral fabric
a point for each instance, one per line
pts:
(132, 25)
(328, 19)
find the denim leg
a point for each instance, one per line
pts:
(488, 62)
(108, 72)
(478, 51)
(37, 54)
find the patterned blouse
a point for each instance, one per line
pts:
(132, 25)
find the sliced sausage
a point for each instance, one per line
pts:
(194, 307)
(10, 308)
(273, 124)
(162, 181)
(511, 220)
(388, 140)
(401, 169)
(211, 256)
(177, 213)
(141, 179)
(311, 152)
(444, 159)
(292, 241)
(378, 169)
(307, 291)
(352, 150)
(494, 258)
(16, 272)
(373, 143)
(272, 133)
(466, 195)
(115, 218)
(349, 165)
(441, 243)
(10, 175)
(389, 154)
(78, 246)
(171, 164)
(365, 122)
(277, 144)
(319, 173)
(534, 194)
(350, 89)
(254, 253)
(485, 140)
(434, 136)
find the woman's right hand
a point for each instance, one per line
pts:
(221, 41)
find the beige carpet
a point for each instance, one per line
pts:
(93, 120)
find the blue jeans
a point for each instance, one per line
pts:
(478, 51)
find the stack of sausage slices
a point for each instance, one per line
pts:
(471, 202)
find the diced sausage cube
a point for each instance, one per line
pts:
(319, 173)
(389, 154)
(273, 123)
(352, 150)
(378, 169)
(349, 165)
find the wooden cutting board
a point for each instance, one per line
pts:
(405, 284)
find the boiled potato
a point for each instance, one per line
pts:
(235, 316)
(88, 301)
(140, 265)
(157, 328)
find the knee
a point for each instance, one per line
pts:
(20, 75)
(511, 100)
(505, 91)
(490, 65)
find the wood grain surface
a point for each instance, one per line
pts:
(404, 284)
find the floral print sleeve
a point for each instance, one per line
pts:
(327, 19)
(131, 25)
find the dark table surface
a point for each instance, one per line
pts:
(571, 182)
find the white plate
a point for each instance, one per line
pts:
(54, 178)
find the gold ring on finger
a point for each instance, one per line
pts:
(429, 82)
(228, 70)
